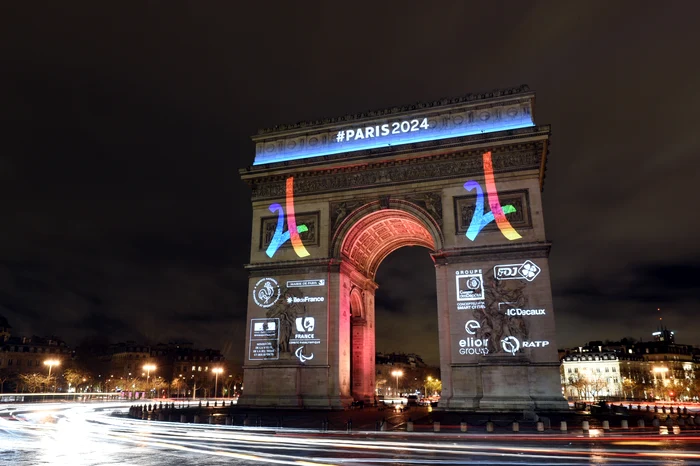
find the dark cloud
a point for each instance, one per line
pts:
(125, 125)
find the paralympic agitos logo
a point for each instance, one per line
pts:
(498, 212)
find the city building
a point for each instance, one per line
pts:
(405, 372)
(631, 370)
(23, 355)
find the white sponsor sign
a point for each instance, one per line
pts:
(512, 345)
(470, 285)
(510, 310)
(305, 332)
(266, 292)
(528, 270)
(472, 345)
(264, 339)
(305, 283)
(305, 299)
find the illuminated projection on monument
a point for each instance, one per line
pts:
(290, 321)
(387, 133)
(293, 229)
(498, 213)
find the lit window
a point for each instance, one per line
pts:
(192, 368)
(199, 368)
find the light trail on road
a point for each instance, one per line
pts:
(98, 433)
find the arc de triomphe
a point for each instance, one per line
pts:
(331, 199)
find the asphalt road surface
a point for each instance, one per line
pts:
(95, 434)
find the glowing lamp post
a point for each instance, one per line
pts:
(216, 371)
(397, 374)
(51, 363)
(148, 368)
(429, 379)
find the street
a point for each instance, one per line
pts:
(90, 434)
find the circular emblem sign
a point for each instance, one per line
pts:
(266, 292)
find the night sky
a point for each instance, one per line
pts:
(123, 129)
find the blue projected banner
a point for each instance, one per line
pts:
(395, 132)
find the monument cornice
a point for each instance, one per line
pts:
(343, 159)
(492, 252)
(325, 265)
(519, 156)
(440, 104)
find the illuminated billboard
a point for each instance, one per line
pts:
(395, 132)
(288, 319)
(499, 309)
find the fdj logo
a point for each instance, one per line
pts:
(293, 231)
(498, 213)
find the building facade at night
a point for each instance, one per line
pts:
(26, 355)
(657, 369)
(331, 199)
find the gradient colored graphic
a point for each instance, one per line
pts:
(279, 238)
(498, 213)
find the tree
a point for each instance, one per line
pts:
(5, 376)
(76, 378)
(433, 386)
(33, 382)
(177, 384)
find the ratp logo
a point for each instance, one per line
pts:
(510, 345)
(279, 238)
(497, 213)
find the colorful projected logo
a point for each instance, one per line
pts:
(498, 213)
(293, 229)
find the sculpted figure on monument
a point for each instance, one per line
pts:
(495, 324)
(287, 311)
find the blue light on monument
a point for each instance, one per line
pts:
(373, 136)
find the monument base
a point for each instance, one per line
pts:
(492, 387)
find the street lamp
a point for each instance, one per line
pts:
(216, 371)
(51, 363)
(397, 374)
(148, 368)
(429, 379)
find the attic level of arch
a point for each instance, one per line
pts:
(529, 155)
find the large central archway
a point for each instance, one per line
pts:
(364, 240)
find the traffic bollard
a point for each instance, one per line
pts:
(585, 426)
(516, 426)
(563, 426)
(463, 426)
(624, 424)
(540, 426)
(436, 426)
(606, 425)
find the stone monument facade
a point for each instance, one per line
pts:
(331, 199)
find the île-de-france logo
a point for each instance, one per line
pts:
(293, 230)
(497, 213)
(266, 292)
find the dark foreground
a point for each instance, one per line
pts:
(91, 434)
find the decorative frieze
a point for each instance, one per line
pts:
(463, 165)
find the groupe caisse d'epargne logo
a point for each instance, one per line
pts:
(266, 292)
